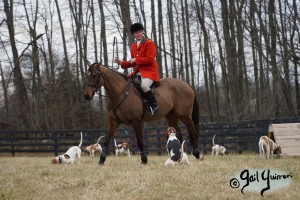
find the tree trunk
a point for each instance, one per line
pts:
(172, 37)
(208, 61)
(227, 105)
(24, 110)
(231, 61)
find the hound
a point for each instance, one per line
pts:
(267, 146)
(71, 156)
(218, 149)
(175, 149)
(93, 148)
(122, 149)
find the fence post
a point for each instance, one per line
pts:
(133, 143)
(202, 138)
(238, 142)
(12, 144)
(146, 142)
(159, 142)
(55, 144)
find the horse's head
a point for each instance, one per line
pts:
(94, 81)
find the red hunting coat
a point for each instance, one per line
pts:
(145, 60)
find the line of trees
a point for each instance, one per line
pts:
(241, 56)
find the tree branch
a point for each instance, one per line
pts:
(30, 43)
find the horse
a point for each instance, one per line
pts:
(176, 100)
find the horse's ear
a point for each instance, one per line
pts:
(88, 63)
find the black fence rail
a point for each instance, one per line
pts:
(236, 137)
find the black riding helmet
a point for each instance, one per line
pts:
(136, 27)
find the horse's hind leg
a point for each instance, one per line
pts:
(172, 119)
(193, 133)
(137, 127)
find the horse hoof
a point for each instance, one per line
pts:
(144, 160)
(196, 153)
(102, 160)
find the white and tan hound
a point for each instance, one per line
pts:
(218, 149)
(93, 148)
(122, 149)
(71, 156)
(268, 147)
(175, 149)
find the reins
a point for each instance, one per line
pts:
(125, 91)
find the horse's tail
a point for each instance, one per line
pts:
(195, 114)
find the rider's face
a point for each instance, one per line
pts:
(138, 34)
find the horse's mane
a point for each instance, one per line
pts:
(120, 74)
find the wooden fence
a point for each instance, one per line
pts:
(237, 137)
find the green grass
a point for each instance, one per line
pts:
(125, 178)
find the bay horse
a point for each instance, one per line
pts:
(176, 100)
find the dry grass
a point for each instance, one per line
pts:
(126, 178)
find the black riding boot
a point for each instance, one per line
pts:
(152, 102)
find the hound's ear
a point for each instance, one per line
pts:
(54, 161)
(88, 63)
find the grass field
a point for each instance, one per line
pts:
(33, 177)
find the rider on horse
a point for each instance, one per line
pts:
(143, 53)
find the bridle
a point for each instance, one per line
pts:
(96, 86)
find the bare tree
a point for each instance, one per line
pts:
(5, 92)
(161, 38)
(296, 59)
(64, 43)
(126, 20)
(185, 42)
(224, 75)
(24, 115)
(36, 74)
(103, 32)
(172, 37)
(210, 68)
(154, 35)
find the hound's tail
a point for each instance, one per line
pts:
(213, 140)
(182, 150)
(115, 143)
(99, 139)
(80, 139)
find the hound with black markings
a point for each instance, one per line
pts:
(175, 149)
(71, 156)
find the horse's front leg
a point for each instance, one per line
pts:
(137, 127)
(111, 129)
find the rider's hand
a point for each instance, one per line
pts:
(117, 60)
(132, 60)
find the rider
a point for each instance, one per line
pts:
(143, 53)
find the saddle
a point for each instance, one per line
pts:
(137, 80)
